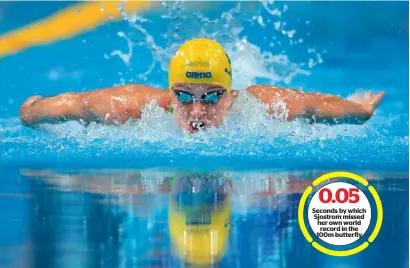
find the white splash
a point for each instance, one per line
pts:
(248, 60)
(125, 57)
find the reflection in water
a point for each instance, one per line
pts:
(199, 218)
(130, 218)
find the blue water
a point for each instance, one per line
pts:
(119, 218)
(52, 219)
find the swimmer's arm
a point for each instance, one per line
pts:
(319, 107)
(108, 106)
(324, 108)
(36, 110)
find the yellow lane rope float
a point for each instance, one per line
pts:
(67, 23)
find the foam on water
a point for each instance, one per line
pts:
(247, 134)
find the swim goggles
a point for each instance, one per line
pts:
(212, 97)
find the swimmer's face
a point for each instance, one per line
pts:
(199, 106)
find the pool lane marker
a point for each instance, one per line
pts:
(67, 23)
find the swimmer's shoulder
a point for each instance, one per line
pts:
(264, 93)
(131, 95)
(133, 89)
(144, 94)
(271, 93)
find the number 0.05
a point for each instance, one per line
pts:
(342, 195)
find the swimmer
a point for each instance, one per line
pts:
(199, 96)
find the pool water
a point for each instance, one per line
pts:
(129, 218)
(102, 196)
(308, 46)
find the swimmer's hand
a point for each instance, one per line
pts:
(30, 101)
(37, 109)
(368, 100)
(25, 115)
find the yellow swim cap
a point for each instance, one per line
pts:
(201, 61)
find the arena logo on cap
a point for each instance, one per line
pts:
(198, 75)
